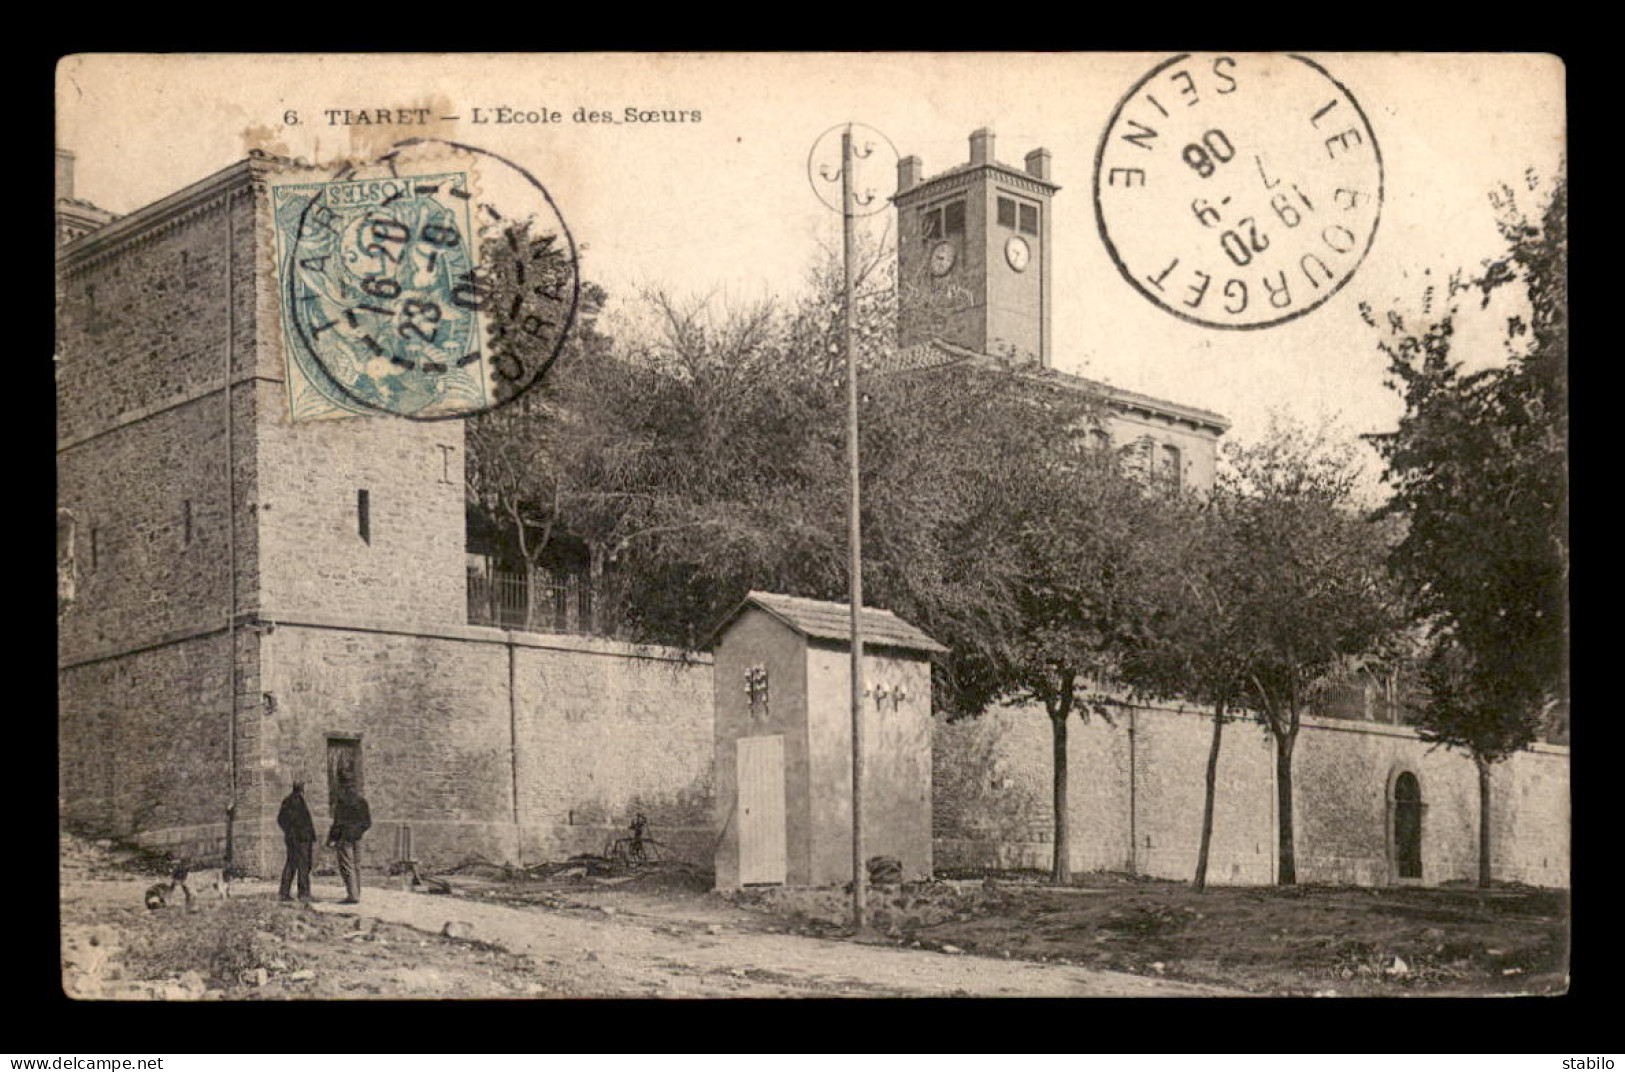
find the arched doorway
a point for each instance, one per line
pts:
(1405, 807)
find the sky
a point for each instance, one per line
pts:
(719, 204)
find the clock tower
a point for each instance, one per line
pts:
(973, 253)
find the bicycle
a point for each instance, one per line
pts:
(638, 850)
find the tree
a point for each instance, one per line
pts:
(704, 457)
(1310, 585)
(1479, 710)
(1086, 601)
(990, 524)
(1197, 647)
(695, 451)
(515, 475)
(1478, 468)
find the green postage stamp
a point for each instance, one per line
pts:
(405, 290)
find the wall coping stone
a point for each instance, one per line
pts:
(1315, 722)
(484, 634)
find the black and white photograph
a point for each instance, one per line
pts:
(812, 525)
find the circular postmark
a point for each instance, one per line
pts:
(1238, 190)
(435, 283)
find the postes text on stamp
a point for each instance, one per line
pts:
(435, 283)
(1238, 190)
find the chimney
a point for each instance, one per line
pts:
(909, 172)
(981, 146)
(64, 174)
(1038, 164)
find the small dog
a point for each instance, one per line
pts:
(184, 879)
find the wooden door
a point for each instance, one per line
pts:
(762, 856)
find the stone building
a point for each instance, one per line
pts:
(974, 265)
(784, 743)
(244, 601)
(1373, 803)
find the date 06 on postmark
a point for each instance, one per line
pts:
(1238, 190)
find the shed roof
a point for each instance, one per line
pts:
(820, 619)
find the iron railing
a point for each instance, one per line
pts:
(540, 602)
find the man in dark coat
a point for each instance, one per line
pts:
(351, 818)
(299, 834)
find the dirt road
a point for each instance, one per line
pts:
(638, 947)
(719, 951)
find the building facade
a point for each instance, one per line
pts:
(784, 743)
(974, 275)
(245, 601)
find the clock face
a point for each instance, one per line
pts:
(942, 258)
(1017, 253)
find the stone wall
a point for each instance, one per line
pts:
(143, 745)
(1170, 770)
(607, 730)
(410, 565)
(145, 329)
(594, 732)
(992, 779)
(155, 317)
(142, 317)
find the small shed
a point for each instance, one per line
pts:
(782, 689)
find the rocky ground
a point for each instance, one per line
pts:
(1306, 940)
(586, 930)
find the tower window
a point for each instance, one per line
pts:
(942, 221)
(1029, 219)
(95, 548)
(363, 515)
(1172, 470)
(1007, 212)
(186, 523)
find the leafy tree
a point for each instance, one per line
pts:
(1478, 467)
(517, 482)
(1309, 582)
(1085, 600)
(704, 456)
(1197, 647)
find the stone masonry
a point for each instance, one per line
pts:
(1136, 790)
(183, 693)
(230, 624)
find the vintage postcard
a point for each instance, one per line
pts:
(793, 524)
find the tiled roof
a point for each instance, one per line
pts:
(822, 620)
(939, 353)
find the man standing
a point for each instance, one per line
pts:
(351, 818)
(299, 834)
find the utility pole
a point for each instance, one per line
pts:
(851, 206)
(854, 535)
